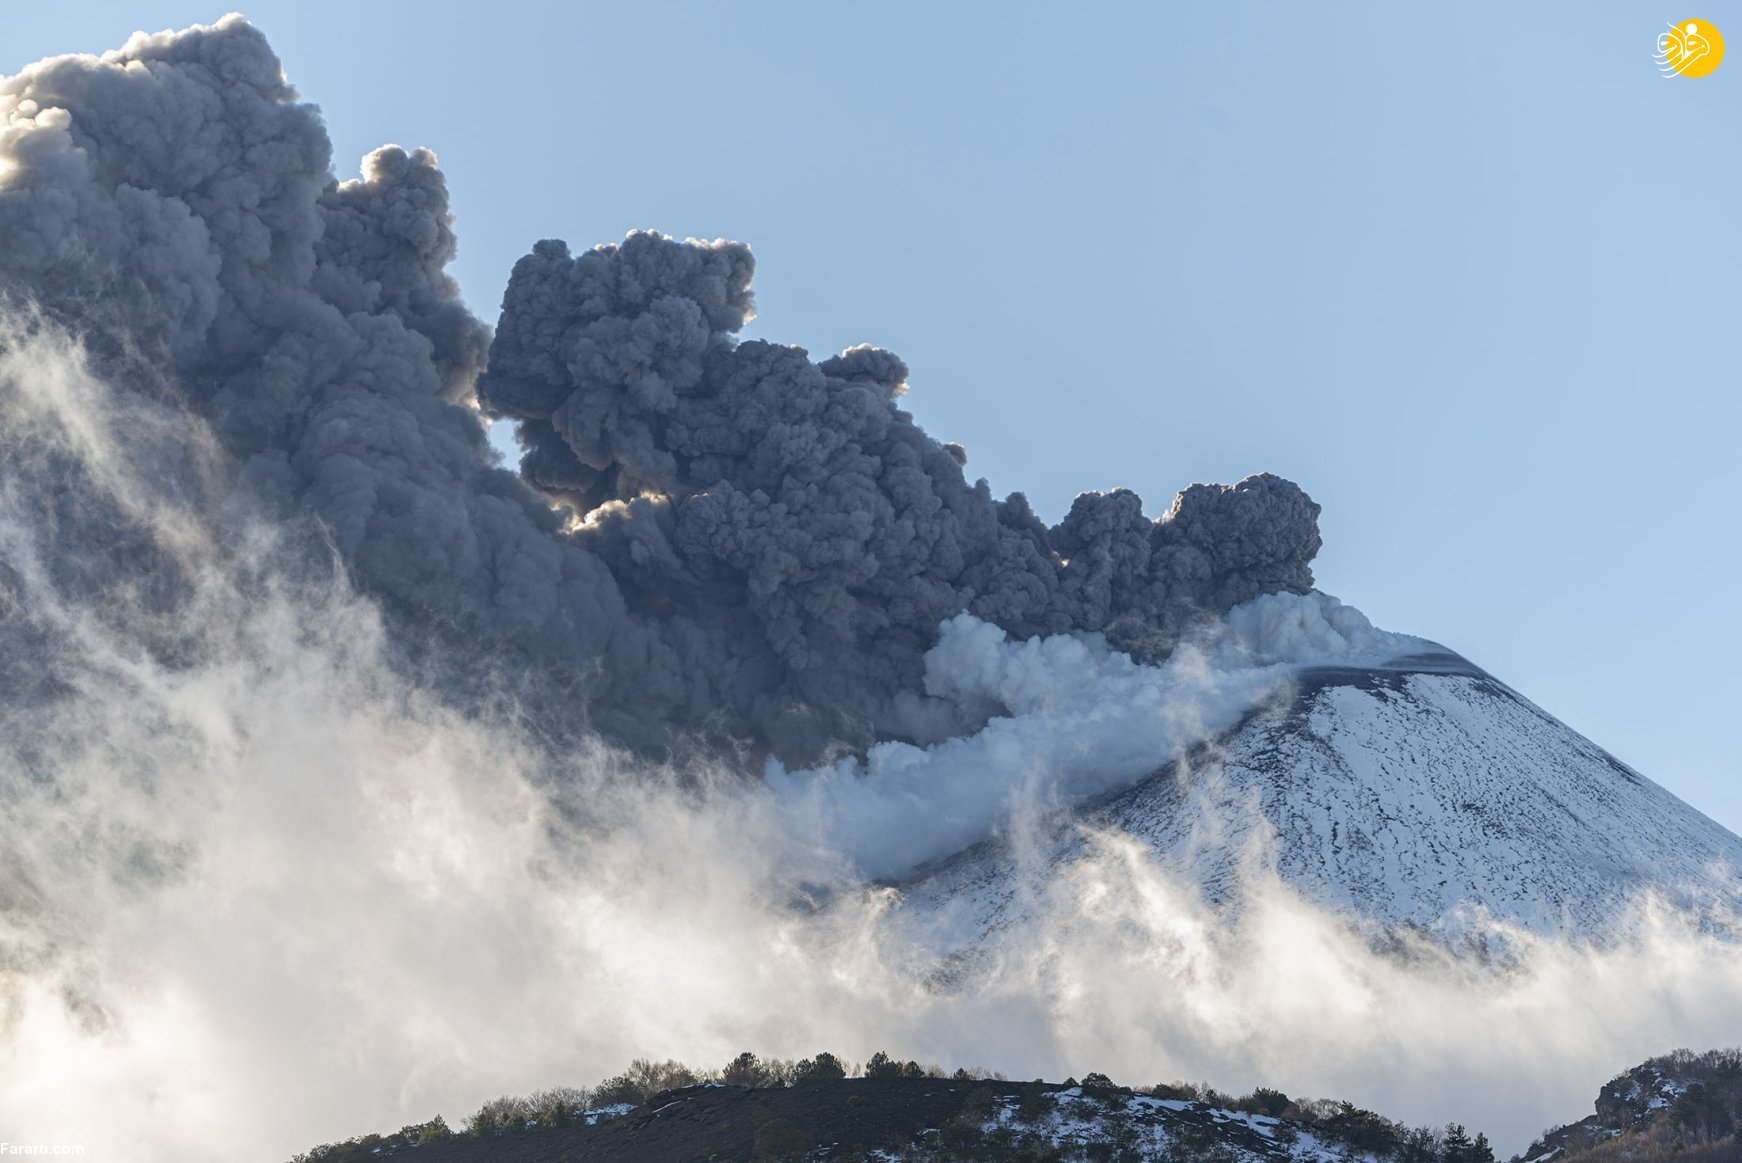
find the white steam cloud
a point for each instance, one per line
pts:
(265, 892)
(1076, 719)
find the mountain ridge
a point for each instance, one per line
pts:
(1420, 795)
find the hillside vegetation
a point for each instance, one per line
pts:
(1682, 1106)
(889, 1110)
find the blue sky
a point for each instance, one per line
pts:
(1468, 275)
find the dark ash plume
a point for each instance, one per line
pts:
(748, 545)
(799, 498)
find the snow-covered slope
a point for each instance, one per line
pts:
(1418, 793)
(1120, 1124)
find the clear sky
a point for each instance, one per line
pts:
(1468, 273)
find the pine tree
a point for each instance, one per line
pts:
(1419, 1146)
(881, 1065)
(825, 1067)
(745, 1070)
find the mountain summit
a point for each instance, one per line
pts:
(1417, 794)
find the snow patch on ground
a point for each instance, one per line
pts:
(1141, 1127)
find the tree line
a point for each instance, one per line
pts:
(567, 1106)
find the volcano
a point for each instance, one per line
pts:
(1415, 795)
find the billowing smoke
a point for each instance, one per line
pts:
(753, 547)
(316, 814)
(260, 891)
(797, 517)
(1077, 719)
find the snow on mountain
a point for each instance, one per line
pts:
(1414, 792)
(1138, 1126)
(1063, 719)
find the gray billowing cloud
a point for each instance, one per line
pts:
(710, 538)
(797, 497)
